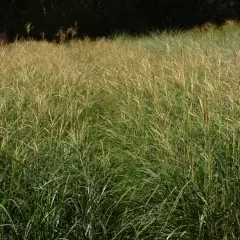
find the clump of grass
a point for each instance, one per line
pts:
(206, 27)
(121, 139)
(230, 23)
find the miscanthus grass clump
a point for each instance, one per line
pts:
(121, 139)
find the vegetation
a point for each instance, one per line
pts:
(129, 138)
(38, 18)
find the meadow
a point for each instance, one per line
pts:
(123, 138)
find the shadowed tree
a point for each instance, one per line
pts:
(100, 17)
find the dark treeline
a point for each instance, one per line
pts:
(45, 18)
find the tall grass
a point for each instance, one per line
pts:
(121, 139)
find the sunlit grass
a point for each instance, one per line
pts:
(121, 139)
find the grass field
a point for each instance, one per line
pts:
(129, 138)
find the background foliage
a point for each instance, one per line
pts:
(102, 17)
